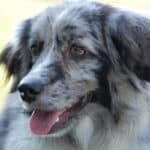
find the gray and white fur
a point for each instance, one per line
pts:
(113, 77)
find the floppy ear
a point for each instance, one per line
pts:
(130, 35)
(15, 55)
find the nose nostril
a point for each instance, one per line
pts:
(32, 91)
(28, 91)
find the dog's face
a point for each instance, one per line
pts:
(61, 60)
(62, 66)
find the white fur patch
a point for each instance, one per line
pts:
(83, 132)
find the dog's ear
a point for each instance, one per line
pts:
(130, 39)
(15, 56)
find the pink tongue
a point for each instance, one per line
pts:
(42, 122)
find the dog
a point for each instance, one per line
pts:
(81, 80)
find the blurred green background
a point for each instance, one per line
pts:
(13, 11)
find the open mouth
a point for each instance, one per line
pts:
(45, 123)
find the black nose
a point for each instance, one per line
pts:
(29, 89)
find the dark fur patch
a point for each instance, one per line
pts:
(25, 33)
(18, 61)
(127, 40)
(102, 94)
(143, 72)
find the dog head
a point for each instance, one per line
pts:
(61, 60)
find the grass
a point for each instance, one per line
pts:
(13, 11)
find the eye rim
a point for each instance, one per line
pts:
(75, 51)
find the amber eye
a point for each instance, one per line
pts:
(77, 51)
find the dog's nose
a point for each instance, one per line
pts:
(29, 89)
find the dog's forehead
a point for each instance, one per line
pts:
(59, 18)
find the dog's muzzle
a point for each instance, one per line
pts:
(33, 83)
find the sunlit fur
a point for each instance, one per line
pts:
(112, 78)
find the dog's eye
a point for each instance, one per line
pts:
(36, 49)
(74, 51)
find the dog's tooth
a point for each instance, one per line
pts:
(57, 120)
